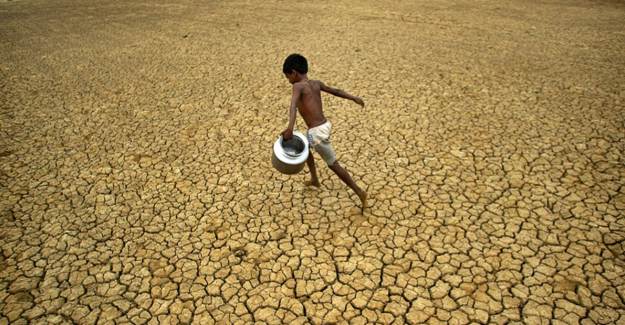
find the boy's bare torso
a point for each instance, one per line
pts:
(309, 104)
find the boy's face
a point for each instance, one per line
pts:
(291, 76)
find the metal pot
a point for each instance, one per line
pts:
(289, 157)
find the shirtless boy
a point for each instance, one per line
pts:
(307, 97)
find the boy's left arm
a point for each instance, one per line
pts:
(340, 93)
(288, 133)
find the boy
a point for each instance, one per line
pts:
(307, 97)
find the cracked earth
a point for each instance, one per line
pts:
(136, 183)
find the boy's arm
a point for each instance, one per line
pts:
(288, 133)
(340, 93)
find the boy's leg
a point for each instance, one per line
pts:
(347, 179)
(314, 180)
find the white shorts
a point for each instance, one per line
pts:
(319, 139)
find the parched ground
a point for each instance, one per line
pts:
(136, 183)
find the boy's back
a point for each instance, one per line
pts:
(309, 103)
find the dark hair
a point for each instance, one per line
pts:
(295, 62)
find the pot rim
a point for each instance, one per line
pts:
(287, 159)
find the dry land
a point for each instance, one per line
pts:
(136, 184)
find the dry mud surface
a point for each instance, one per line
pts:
(136, 183)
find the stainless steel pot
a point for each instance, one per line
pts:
(289, 157)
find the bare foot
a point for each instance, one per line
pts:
(363, 201)
(312, 183)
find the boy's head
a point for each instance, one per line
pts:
(294, 64)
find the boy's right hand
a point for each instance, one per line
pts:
(287, 134)
(359, 101)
